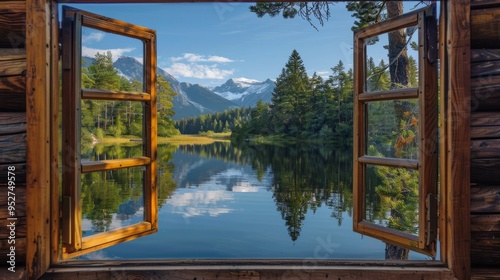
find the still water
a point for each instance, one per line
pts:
(220, 201)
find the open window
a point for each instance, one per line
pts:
(75, 241)
(395, 135)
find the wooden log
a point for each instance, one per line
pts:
(480, 55)
(20, 172)
(20, 210)
(485, 223)
(485, 93)
(485, 171)
(485, 248)
(12, 54)
(20, 227)
(12, 123)
(13, 67)
(485, 132)
(13, 84)
(12, 102)
(20, 252)
(485, 148)
(485, 199)
(484, 3)
(485, 119)
(485, 68)
(485, 273)
(485, 28)
(13, 24)
(13, 148)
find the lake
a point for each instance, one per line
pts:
(220, 201)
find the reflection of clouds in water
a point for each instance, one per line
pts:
(198, 202)
(245, 187)
(118, 221)
(210, 198)
(97, 255)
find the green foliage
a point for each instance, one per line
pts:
(117, 118)
(229, 120)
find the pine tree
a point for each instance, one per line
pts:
(289, 102)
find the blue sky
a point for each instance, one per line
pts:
(208, 43)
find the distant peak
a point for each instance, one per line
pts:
(245, 80)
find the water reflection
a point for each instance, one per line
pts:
(247, 201)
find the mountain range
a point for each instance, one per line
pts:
(194, 99)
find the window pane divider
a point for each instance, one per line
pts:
(97, 94)
(391, 162)
(405, 93)
(119, 233)
(103, 165)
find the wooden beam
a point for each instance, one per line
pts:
(485, 171)
(389, 95)
(13, 147)
(456, 183)
(248, 270)
(485, 223)
(485, 248)
(13, 24)
(484, 3)
(485, 28)
(113, 95)
(103, 165)
(485, 199)
(38, 43)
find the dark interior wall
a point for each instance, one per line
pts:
(485, 133)
(13, 128)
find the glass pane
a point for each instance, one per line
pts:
(112, 199)
(392, 66)
(112, 120)
(392, 129)
(392, 197)
(111, 62)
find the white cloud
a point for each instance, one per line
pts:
(200, 71)
(93, 37)
(191, 57)
(116, 53)
(201, 203)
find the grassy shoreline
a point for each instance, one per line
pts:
(183, 139)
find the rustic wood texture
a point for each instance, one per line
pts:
(485, 81)
(103, 165)
(485, 148)
(13, 148)
(13, 24)
(489, 273)
(485, 248)
(485, 171)
(485, 199)
(54, 134)
(20, 228)
(39, 21)
(456, 183)
(20, 255)
(249, 272)
(484, 28)
(485, 223)
(111, 95)
(479, 55)
(12, 84)
(485, 125)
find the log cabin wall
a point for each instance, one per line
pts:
(13, 125)
(485, 133)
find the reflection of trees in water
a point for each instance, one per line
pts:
(120, 191)
(306, 177)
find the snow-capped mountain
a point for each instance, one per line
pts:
(246, 92)
(191, 100)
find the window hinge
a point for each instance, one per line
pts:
(432, 220)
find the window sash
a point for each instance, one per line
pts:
(426, 93)
(73, 244)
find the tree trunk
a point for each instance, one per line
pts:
(399, 72)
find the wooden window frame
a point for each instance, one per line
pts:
(426, 165)
(73, 244)
(43, 175)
